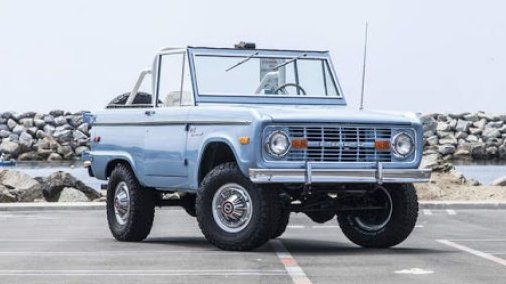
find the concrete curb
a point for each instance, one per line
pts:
(462, 205)
(45, 206)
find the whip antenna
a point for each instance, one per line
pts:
(363, 69)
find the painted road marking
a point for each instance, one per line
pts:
(168, 272)
(414, 270)
(418, 226)
(451, 212)
(481, 254)
(325, 226)
(296, 226)
(427, 212)
(294, 270)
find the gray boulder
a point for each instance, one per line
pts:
(446, 149)
(79, 150)
(65, 151)
(443, 126)
(478, 151)
(471, 117)
(11, 123)
(4, 134)
(49, 129)
(49, 119)
(491, 133)
(480, 123)
(21, 185)
(39, 123)
(69, 194)
(57, 112)
(18, 129)
(463, 125)
(460, 135)
(475, 131)
(6, 196)
(60, 120)
(433, 140)
(53, 157)
(29, 156)
(79, 135)
(448, 140)
(26, 122)
(9, 147)
(472, 138)
(56, 182)
(499, 181)
(26, 141)
(4, 127)
(64, 135)
(85, 128)
(430, 161)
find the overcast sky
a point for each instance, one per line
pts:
(427, 55)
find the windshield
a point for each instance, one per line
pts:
(254, 75)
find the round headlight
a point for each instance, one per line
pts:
(403, 145)
(278, 143)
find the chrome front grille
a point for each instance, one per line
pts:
(339, 144)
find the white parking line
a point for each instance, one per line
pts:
(167, 272)
(296, 226)
(325, 226)
(451, 212)
(427, 212)
(291, 266)
(481, 254)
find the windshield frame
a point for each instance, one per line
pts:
(263, 98)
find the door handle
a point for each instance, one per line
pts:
(149, 112)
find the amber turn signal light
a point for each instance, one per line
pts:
(299, 143)
(244, 140)
(382, 145)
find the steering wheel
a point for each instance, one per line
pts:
(282, 88)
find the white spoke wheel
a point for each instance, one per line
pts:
(122, 203)
(232, 207)
(233, 213)
(390, 222)
(130, 207)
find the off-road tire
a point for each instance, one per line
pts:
(142, 206)
(265, 203)
(284, 219)
(400, 225)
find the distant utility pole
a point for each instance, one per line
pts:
(363, 69)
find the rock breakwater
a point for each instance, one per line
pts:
(55, 136)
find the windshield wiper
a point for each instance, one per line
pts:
(289, 61)
(242, 61)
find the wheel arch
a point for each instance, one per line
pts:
(215, 152)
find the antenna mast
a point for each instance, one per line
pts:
(363, 69)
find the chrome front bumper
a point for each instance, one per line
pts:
(314, 176)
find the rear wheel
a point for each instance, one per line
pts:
(284, 219)
(389, 224)
(232, 212)
(130, 207)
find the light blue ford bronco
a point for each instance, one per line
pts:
(241, 137)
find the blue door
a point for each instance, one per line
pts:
(164, 159)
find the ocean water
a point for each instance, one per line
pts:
(484, 172)
(43, 169)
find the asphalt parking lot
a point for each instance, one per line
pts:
(450, 246)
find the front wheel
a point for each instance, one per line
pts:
(232, 212)
(390, 218)
(130, 207)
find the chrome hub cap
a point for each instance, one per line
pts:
(122, 203)
(376, 220)
(232, 208)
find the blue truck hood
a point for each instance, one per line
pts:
(298, 113)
